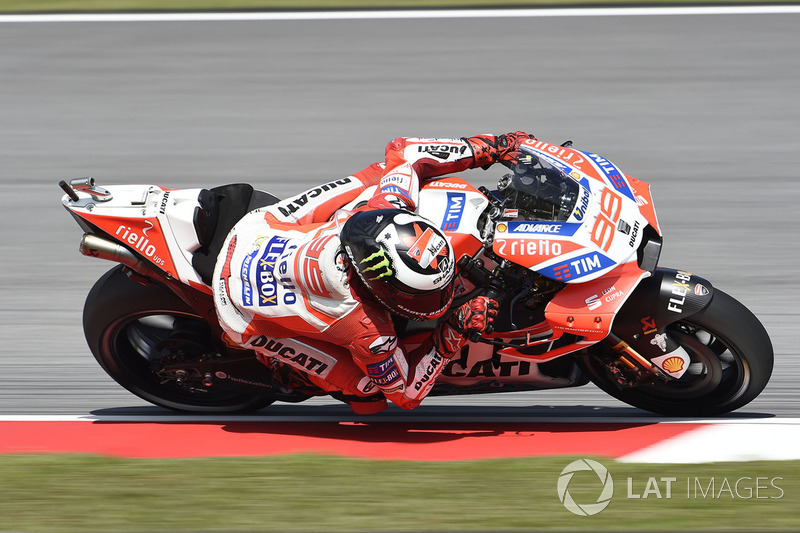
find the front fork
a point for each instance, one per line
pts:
(644, 349)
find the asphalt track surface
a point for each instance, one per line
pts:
(702, 107)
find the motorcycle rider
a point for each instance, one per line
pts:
(307, 284)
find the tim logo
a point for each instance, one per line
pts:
(578, 268)
(394, 189)
(385, 372)
(612, 173)
(454, 211)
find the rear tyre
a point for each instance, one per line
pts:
(731, 363)
(129, 327)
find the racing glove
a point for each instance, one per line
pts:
(475, 316)
(489, 149)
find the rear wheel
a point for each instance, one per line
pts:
(158, 348)
(731, 363)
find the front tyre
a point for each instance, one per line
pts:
(136, 331)
(731, 363)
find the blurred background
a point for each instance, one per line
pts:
(704, 108)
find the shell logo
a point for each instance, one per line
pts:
(673, 364)
(501, 228)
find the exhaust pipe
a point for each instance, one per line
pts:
(94, 246)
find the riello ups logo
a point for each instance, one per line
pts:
(140, 241)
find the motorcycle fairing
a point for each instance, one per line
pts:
(529, 250)
(481, 368)
(455, 207)
(588, 309)
(604, 230)
(578, 164)
(152, 221)
(663, 299)
(144, 235)
(644, 200)
(578, 316)
(587, 164)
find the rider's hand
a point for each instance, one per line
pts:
(389, 200)
(475, 316)
(508, 146)
(490, 149)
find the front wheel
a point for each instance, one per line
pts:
(731, 363)
(157, 347)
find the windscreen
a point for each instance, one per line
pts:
(539, 190)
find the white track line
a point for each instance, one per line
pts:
(406, 14)
(724, 442)
(416, 418)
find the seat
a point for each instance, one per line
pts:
(219, 210)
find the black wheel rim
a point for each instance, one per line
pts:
(716, 369)
(717, 374)
(132, 340)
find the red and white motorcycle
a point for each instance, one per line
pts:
(568, 245)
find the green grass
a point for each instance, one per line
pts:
(80, 493)
(173, 5)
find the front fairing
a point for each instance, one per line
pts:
(602, 231)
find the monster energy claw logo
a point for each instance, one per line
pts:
(381, 269)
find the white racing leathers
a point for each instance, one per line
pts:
(282, 287)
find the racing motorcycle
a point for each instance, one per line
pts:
(567, 244)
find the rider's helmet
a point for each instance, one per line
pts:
(539, 190)
(403, 260)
